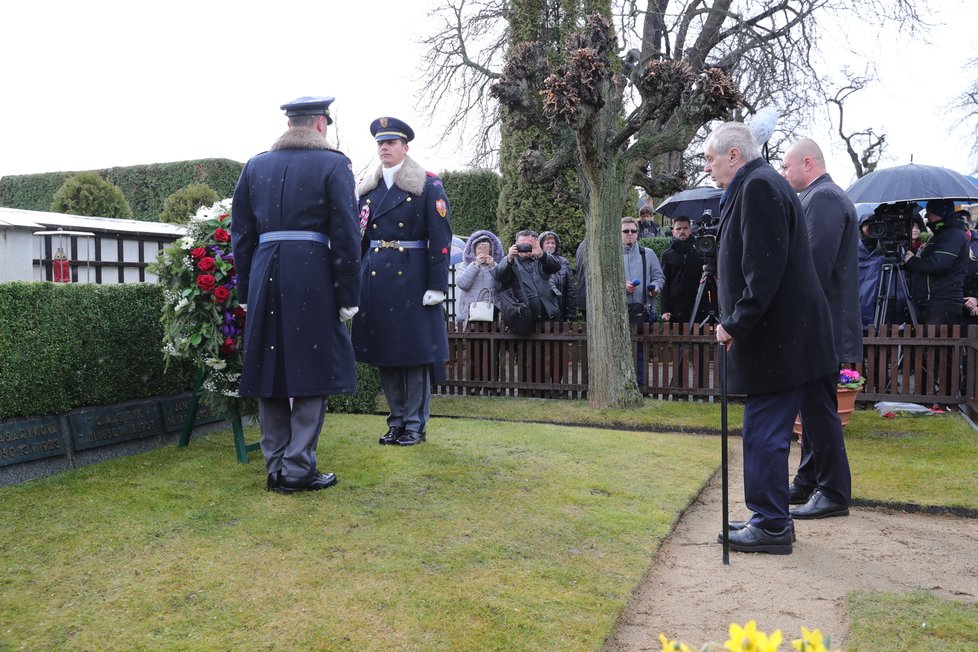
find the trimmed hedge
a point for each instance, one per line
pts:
(64, 346)
(474, 198)
(145, 187)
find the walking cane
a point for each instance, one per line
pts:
(723, 454)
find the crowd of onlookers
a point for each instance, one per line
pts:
(942, 283)
(533, 272)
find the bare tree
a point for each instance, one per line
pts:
(865, 147)
(966, 106)
(612, 110)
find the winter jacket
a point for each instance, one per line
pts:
(682, 266)
(649, 277)
(530, 279)
(565, 287)
(939, 268)
(472, 279)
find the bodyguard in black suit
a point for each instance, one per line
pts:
(823, 478)
(775, 325)
(294, 237)
(406, 245)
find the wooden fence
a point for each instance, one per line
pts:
(922, 365)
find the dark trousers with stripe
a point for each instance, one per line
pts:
(408, 394)
(290, 433)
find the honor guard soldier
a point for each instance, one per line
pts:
(405, 253)
(294, 237)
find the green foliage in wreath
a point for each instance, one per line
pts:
(202, 318)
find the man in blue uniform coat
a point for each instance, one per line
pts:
(294, 237)
(405, 249)
(775, 325)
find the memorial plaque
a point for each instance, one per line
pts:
(175, 412)
(22, 440)
(101, 426)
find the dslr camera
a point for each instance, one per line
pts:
(890, 226)
(705, 237)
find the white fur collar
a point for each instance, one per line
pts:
(410, 178)
(301, 138)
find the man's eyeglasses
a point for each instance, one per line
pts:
(629, 230)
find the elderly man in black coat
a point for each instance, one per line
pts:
(295, 241)
(833, 229)
(775, 325)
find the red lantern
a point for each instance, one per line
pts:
(61, 267)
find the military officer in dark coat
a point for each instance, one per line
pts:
(405, 249)
(775, 325)
(295, 241)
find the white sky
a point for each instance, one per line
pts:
(109, 83)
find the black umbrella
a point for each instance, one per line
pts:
(911, 183)
(691, 203)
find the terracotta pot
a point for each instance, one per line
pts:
(846, 401)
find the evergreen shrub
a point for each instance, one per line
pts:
(474, 198)
(87, 193)
(181, 205)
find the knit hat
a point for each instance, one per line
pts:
(941, 207)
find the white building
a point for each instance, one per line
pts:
(98, 249)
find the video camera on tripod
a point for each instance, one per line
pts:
(890, 226)
(705, 238)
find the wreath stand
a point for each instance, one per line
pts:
(241, 449)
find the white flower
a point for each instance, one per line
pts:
(181, 305)
(224, 204)
(186, 242)
(215, 363)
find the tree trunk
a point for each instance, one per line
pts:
(611, 369)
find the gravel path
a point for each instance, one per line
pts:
(688, 594)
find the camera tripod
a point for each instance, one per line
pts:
(709, 278)
(886, 292)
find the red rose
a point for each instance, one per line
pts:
(222, 217)
(206, 264)
(221, 235)
(221, 293)
(239, 312)
(229, 346)
(198, 253)
(206, 282)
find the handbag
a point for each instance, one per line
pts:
(483, 309)
(515, 312)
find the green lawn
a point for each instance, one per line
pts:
(490, 536)
(517, 534)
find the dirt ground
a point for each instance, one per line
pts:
(690, 595)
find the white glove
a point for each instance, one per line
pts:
(433, 297)
(346, 314)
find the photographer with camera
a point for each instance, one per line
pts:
(643, 274)
(523, 276)
(938, 268)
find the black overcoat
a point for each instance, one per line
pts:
(393, 327)
(294, 341)
(833, 229)
(771, 302)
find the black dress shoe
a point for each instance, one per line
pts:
(819, 506)
(390, 438)
(315, 481)
(410, 438)
(798, 495)
(274, 479)
(751, 538)
(740, 525)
